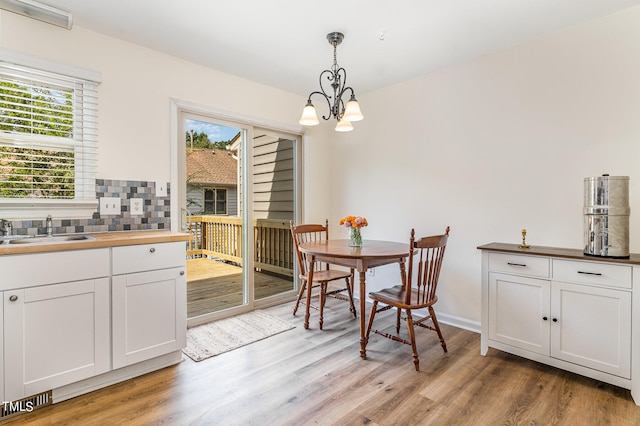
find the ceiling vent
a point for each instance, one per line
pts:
(39, 11)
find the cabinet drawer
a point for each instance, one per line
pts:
(147, 257)
(533, 266)
(592, 273)
(30, 270)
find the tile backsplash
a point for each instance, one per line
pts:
(156, 213)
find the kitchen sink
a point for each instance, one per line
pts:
(50, 240)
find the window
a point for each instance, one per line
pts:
(48, 138)
(215, 201)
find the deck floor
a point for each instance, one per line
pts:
(213, 286)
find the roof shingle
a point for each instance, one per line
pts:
(211, 166)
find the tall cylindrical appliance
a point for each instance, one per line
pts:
(606, 216)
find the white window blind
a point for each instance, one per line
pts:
(48, 135)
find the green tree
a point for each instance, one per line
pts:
(201, 140)
(36, 172)
(221, 144)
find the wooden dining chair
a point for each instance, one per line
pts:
(322, 274)
(428, 253)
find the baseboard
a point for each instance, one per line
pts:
(115, 376)
(451, 320)
(459, 322)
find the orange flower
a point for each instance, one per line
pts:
(354, 221)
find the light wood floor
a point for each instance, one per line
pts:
(302, 377)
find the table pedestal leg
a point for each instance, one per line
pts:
(363, 299)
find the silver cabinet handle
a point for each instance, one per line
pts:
(152, 250)
(181, 272)
(13, 298)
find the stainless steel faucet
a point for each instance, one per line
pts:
(6, 227)
(49, 226)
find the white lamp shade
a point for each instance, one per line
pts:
(352, 111)
(344, 126)
(309, 117)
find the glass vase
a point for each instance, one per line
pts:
(355, 237)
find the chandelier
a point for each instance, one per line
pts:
(336, 78)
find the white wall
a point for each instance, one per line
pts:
(487, 147)
(138, 83)
(494, 146)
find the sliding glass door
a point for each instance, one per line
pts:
(238, 258)
(273, 206)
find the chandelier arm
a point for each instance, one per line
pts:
(341, 72)
(326, 98)
(329, 76)
(344, 90)
(336, 81)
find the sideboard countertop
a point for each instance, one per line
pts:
(567, 253)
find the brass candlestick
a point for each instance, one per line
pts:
(524, 236)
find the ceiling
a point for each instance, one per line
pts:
(283, 43)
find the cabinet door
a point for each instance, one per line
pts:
(591, 326)
(55, 335)
(519, 311)
(2, 398)
(149, 315)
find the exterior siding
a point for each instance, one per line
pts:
(195, 197)
(273, 178)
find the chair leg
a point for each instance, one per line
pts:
(437, 327)
(352, 307)
(373, 314)
(300, 294)
(412, 336)
(307, 314)
(398, 312)
(323, 297)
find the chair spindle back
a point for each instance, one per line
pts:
(429, 252)
(309, 233)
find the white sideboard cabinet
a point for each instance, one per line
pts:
(562, 308)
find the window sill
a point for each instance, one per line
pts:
(25, 209)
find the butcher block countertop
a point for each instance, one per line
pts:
(107, 239)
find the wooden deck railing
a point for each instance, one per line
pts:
(221, 237)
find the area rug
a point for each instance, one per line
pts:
(207, 340)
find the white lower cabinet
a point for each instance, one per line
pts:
(2, 398)
(55, 335)
(55, 332)
(67, 317)
(148, 307)
(519, 311)
(591, 326)
(572, 314)
(584, 325)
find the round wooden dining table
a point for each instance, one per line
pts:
(372, 253)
